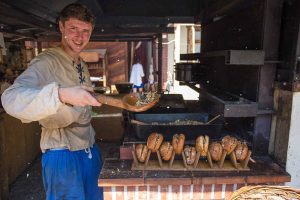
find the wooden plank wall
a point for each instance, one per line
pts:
(283, 105)
(117, 61)
(19, 147)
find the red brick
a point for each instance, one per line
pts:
(153, 192)
(218, 191)
(130, 192)
(168, 181)
(186, 191)
(175, 192)
(107, 193)
(207, 191)
(239, 186)
(197, 190)
(267, 179)
(142, 195)
(125, 153)
(164, 192)
(121, 182)
(119, 192)
(229, 190)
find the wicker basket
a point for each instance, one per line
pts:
(265, 192)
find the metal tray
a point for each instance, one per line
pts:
(142, 131)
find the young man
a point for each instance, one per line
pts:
(55, 90)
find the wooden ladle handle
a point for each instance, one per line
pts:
(111, 101)
(127, 102)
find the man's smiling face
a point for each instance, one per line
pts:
(75, 35)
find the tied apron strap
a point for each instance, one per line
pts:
(73, 125)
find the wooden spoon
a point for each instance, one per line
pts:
(128, 102)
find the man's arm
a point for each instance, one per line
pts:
(78, 96)
(29, 100)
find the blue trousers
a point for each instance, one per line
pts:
(72, 174)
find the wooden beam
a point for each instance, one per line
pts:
(24, 18)
(115, 38)
(221, 8)
(127, 20)
(131, 30)
(33, 8)
(26, 35)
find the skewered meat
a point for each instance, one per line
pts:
(166, 150)
(241, 151)
(178, 143)
(229, 143)
(141, 151)
(202, 143)
(190, 154)
(215, 150)
(154, 141)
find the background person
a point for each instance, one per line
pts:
(136, 75)
(55, 90)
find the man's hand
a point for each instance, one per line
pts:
(78, 96)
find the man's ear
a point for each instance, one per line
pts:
(61, 26)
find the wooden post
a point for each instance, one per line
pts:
(147, 158)
(135, 160)
(3, 164)
(159, 159)
(197, 159)
(39, 47)
(172, 159)
(233, 159)
(184, 160)
(190, 39)
(209, 160)
(244, 163)
(221, 162)
(159, 66)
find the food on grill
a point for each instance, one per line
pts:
(146, 97)
(178, 143)
(166, 150)
(215, 150)
(179, 122)
(190, 154)
(154, 141)
(241, 151)
(202, 143)
(141, 151)
(229, 143)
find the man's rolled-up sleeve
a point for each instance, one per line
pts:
(31, 97)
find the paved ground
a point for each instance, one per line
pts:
(29, 185)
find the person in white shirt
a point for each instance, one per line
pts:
(136, 75)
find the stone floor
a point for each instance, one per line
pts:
(29, 185)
